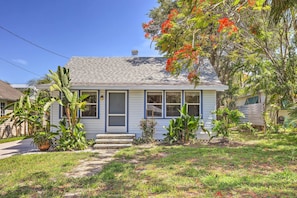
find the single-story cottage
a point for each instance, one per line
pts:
(125, 90)
(8, 95)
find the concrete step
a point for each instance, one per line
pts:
(111, 146)
(115, 136)
(113, 141)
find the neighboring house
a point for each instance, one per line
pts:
(252, 106)
(123, 91)
(8, 95)
(25, 87)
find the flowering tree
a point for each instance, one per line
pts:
(245, 49)
(184, 30)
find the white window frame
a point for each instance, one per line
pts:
(61, 107)
(166, 104)
(192, 104)
(97, 103)
(2, 109)
(160, 104)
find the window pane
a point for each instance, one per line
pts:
(172, 110)
(173, 97)
(90, 111)
(154, 97)
(63, 111)
(192, 97)
(116, 121)
(193, 110)
(154, 110)
(117, 103)
(92, 97)
(252, 100)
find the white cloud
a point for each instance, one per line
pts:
(20, 61)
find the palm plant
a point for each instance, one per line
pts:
(183, 128)
(70, 100)
(227, 119)
(72, 133)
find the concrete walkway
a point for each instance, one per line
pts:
(16, 147)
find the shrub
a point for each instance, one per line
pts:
(183, 128)
(227, 119)
(71, 139)
(147, 127)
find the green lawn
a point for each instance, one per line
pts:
(260, 166)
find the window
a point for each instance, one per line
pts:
(173, 103)
(252, 100)
(62, 108)
(91, 110)
(192, 99)
(2, 109)
(154, 104)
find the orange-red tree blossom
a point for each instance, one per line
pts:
(226, 23)
(166, 25)
(186, 52)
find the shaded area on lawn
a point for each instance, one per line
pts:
(259, 167)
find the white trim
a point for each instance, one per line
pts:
(81, 92)
(115, 129)
(153, 87)
(189, 104)
(165, 107)
(147, 103)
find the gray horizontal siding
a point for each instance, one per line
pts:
(253, 113)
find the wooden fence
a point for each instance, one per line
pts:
(253, 113)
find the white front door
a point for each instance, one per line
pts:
(117, 111)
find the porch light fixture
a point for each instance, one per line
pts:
(101, 97)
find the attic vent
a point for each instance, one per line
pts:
(134, 52)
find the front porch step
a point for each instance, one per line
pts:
(111, 146)
(113, 141)
(113, 136)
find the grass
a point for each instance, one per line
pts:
(253, 166)
(11, 139)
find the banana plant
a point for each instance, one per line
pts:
(72, 134)
(70, 100)
(183, 128)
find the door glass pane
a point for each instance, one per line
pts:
(117, 103)
(116, 121)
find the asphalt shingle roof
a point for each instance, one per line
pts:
(9, 93)
(90, 71)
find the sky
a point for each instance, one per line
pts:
(66, 28)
